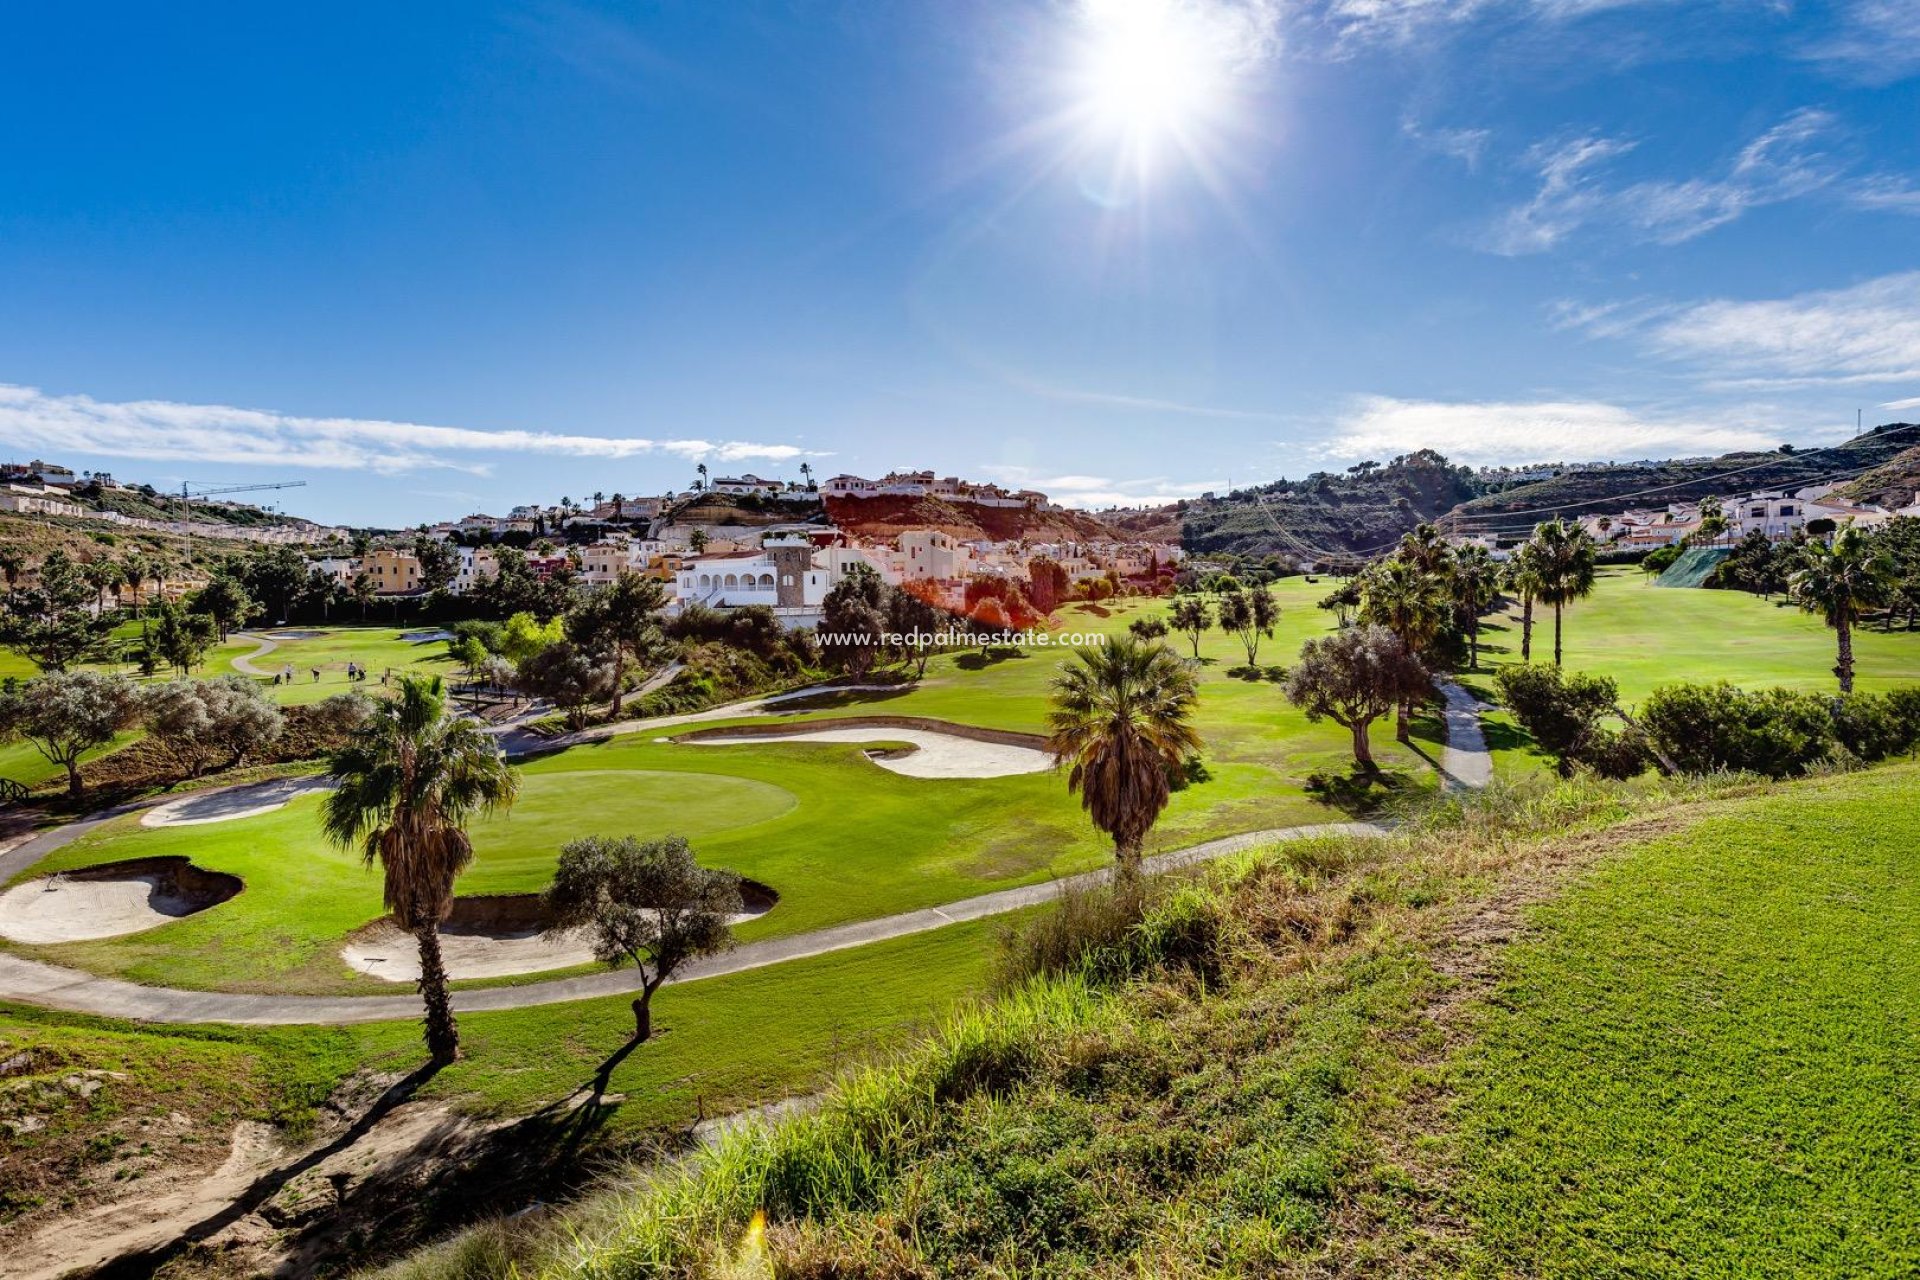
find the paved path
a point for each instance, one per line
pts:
(244, 661)
(31, 982)
(1466, 764)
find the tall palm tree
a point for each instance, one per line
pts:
(1523, 579)
(1841, 583)
(1473, 583)
(133, 570)
(1120, 721)
(1566, 558)
(1399, 595)
(702, 469)
(404, 791)
(103, 575)
(1427, 549)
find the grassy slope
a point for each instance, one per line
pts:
(1702, 1064)
(374, 647)
(1697, 1068)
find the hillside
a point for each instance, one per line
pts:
(1361, 509)
(1598, 488)
(885, 517)
(1891, 484)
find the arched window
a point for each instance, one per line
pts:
(766, 579)
(706, 580)
(733, 580)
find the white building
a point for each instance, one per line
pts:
(788, 574)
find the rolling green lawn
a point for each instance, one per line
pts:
(1702, 1062)
(376, 648)
(837, 836)
(1644, 636)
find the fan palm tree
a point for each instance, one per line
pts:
(404, 791)
(102, 575)
(133, 570)
(1566, 560)
(1523, 579)
(1474, 585)
(1413, 604)
(1120, 722)
(1841, 583)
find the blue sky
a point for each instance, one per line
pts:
(437, 258)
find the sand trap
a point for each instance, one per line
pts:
(934, 755)
(493, 937)
(109, 900)
(231, 803)
(293, 635)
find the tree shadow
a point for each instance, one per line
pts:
(1357, 793)
(145, 1263)
(981, 659)
(1254, 674)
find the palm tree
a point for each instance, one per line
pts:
(806, 474)
(702, 469)
(133, 570)
(1427, 549)
(102, 575)
(1119, 721)
(1413, 604)
(404, 791)
(1523, 579)
(1473, 585)
(1840, 583)
(1566, 559)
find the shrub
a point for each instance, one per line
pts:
(1872, 726)
(200, 723)
(1703, 728)
(1113, 931)
(1563, 713)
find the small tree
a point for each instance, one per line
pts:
(568, 676)
(851, 618)
(1354, 677)
(645, 903)
(1148, 628)
(225, 601)
(1249, 615)
(917, 622)
(623, 622)
(1841, 583)
(203, 722)
(178, 638)
(1121, 722)
(66, 714)
(1192, 617)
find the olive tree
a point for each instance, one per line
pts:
(647, 903)
(1353, 677)
(66, 714)
(201, 723)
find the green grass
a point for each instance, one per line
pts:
(376, 648)
(1645, 636)
(1702, 1065)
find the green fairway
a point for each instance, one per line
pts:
(1644, 636)
(1702, 1064)
(330, 649)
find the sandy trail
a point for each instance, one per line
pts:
(934, 754)
(231, 803)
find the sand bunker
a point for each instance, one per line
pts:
(109, 900)
(494, 937)
(936, 753)
(231, 803)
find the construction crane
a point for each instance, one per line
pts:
(190, 490)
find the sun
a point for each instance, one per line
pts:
(1151, 77)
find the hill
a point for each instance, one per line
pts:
(1892, 483)
(1590, 490)
(886, 517)
(1361, 509)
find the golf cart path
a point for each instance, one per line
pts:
(51, 986)
(244, 661)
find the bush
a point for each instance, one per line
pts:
(1872, 727)
(1704, 728)
(1563, 713)
(1116, 930)
(201, 723)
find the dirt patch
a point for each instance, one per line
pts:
(495, 936)
(110, 900)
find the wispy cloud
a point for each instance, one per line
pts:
(166, 430)
(1102, 491)
(1498, 432)
(1464, 145)
(1868, 333)
(1786, 162)
(1876, 40)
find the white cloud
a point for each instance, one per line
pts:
(1495, 432)
(1784, 163)
(1102, 491)
(1464, 145)
(1898, 406)
(1865, 334)
(1878, 40)
(165, 430)
(1885, 193)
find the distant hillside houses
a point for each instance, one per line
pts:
(924, 484)
(1778, 514)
